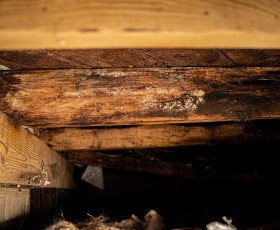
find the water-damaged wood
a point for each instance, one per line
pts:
(140, 96)
(25, 160)
(154, 136)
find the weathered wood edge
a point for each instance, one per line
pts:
(26, 160)
(157, 136)
(136, 58)
(140, 96)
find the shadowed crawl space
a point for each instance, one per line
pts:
(180, 203)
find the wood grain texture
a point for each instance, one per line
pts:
(155, 136)
(25, 160)
(243, 57)
(140, 58)
(113, 58)
(158, 23)
(140, 96)
(14, 203)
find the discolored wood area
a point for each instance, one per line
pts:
(163, 105)
(140, 96)
(171, 130)
(156, 136)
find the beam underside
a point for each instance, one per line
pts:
(165, 24)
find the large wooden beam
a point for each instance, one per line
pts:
(155, 136)
(140, 96)
(25, 160)
(140, 58)
(158, 23)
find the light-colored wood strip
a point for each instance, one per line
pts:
(158, 23)
(14, 203)
(140, 96)
(155, 136)
(25, 160)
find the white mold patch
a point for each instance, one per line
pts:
(186, 102)
(2, 67)
(104, 73)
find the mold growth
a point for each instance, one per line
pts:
(2, 67)
(186, 102)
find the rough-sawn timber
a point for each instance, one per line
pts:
(156, 136)
(140, 96)
(25, 160)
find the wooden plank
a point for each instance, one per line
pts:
(14, 203)
(155, 136)
(205, 58)
(25, 160)
(140, 58)
(158, 23)
(113, 58)
(257, 57)
(167, 162)
(140, 96)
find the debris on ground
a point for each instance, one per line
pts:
(219, 226)
(152, 221)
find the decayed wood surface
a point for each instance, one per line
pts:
(164, 162)
(153, 136)
(140, 96)
(157, 23)
(25, 160)
(115, 58)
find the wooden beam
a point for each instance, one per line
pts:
(158, 23)
(141, 58)
(140, 96)
(155, 136)
(25, 160)
(167, 162)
